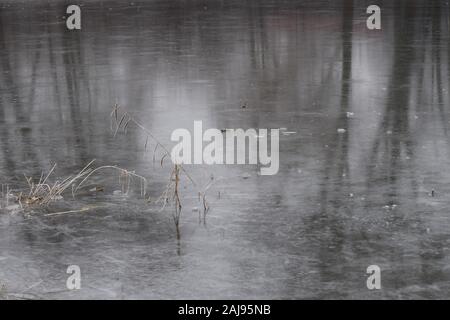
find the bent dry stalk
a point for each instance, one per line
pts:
(3, 291)
(120, 121)
(125, 178)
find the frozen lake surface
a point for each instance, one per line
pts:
(375, 193)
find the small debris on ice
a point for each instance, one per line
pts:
(97, 189)
(246, 175)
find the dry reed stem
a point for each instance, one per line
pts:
(123, 122)
(123, 173)
(171, 193)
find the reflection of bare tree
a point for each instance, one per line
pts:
(393, 135)
(394, 141)
(394, 150)
(17, 143)
(391, 155)
(335, 186)
(436, 48)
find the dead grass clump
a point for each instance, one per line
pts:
(43, 192)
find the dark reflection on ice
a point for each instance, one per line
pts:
(362, 177)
